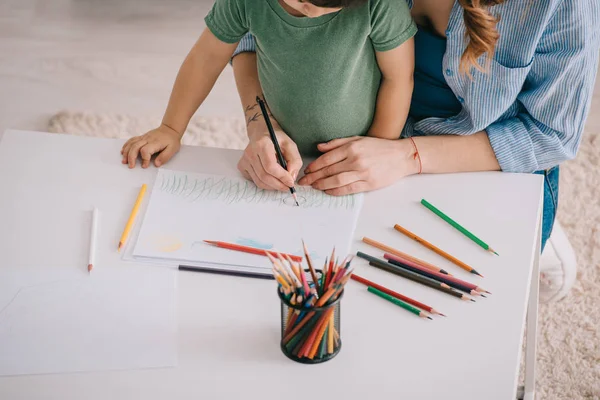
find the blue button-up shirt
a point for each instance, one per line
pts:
(534, 99)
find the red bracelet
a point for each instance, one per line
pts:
(417, 155)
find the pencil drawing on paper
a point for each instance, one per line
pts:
(233, 190)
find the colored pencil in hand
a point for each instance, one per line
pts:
(435, 249)
(134, 212)
(458, 226)
(400, 303)
(265, 113)
(398, 253)
(248, 249)
(397, 295)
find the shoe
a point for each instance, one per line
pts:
(558, 266)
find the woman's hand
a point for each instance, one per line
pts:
(163, 141)
(259, 162)
(360, 164)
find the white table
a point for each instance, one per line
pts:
(230, 349)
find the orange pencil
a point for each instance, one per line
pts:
(398, 253)
(251, 250)
(436, 249)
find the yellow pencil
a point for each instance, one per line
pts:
(134, 212)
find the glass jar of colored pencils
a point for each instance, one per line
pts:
(310, 334)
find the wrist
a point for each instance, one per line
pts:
(409, 154)
(172, 130)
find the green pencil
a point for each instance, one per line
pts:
(400, 303)
(458, 226)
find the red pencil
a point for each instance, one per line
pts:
(396, 295)
(251, 250)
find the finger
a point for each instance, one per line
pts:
(134, 152)
(293, 158)
(256, 178)
(273, 174)
(148, 150)
(354, 187)
(127, 147)
(331, 170)
(334, 156)
(165, 155)
(335, 143)
(127, 143)
(337, 180)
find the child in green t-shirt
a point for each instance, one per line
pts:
(328, 69)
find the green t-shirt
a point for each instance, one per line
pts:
(319, 75)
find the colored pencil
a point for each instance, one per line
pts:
(399, 271)
(250, 250)
(425, 282)
(398, 253)
(429, 274)
(310, 267)
(397, 295)
(436, 249)
(245, 274)
(442, 287)
(458, 226)
(134, 212)
(280, 157)
(93, 236)
(441, 277)
(397, 302)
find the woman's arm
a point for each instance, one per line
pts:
(393, 99)
(361, 164)
(557, 94)
(446, 154)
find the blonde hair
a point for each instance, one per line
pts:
(481, 31)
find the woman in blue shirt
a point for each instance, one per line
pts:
(514, 97)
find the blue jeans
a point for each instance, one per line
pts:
(550, 201)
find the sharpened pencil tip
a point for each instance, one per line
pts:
(430, 318)
(476, 273)
(443, 315)
(473, 301)
(120, 246)
(484, 296)
(90, 267)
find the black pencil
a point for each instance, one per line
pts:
(282, 161)
(427, 274)
(381, 264)
(244, 274)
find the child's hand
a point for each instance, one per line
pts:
(259, 162)
(163, 141)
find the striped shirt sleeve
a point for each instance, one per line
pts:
(245, 45)
(556, 97)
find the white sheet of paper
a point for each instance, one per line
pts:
(57, 321)
(187, 208)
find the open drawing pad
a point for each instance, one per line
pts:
(187, 208)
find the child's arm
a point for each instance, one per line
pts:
(395, 92)
(195, 79)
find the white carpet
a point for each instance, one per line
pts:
(569, 342)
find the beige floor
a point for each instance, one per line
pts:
(102, 55)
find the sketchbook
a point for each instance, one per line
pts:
(187, 208)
